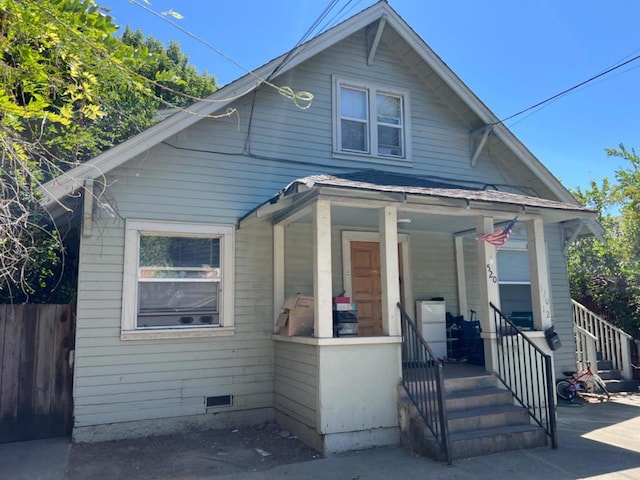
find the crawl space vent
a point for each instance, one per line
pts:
(219, 401)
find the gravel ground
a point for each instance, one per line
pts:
(189, 456)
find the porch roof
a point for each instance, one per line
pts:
(386, 182)
(428, 187)
(435, 204)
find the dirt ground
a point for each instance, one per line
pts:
(189, 456)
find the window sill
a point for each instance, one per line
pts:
(176, 333)
(338, 341)
(364, 157)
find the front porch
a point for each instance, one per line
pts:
(380, 246)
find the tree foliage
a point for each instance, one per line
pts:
(609, 273)
(177, 83)
(70, 89)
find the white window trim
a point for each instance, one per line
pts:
(372, 155)
(133, 229)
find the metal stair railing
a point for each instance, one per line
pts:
(423, 380)
(610, 341)
(526, 371)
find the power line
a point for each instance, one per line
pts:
(300, 99)
(304, 37)
(570, 89)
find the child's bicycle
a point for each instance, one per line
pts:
(576, 383)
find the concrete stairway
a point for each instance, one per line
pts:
(482, 420)
(613, 378)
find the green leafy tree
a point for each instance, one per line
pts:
(609, 273)
(177, 83)
(69, 89)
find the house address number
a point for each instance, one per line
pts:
(492, 276)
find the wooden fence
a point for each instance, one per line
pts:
(36, 345)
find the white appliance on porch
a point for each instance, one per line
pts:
(432, 324)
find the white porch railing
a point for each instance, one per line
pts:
(594, 334)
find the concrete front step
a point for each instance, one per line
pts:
(604, 365)
(614, 380)
(452, 385)
(487, 417)
(475, 443)
(482, 397)
(610, 374)
(616, 386)
(482, 419)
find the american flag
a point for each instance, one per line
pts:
(500, 236)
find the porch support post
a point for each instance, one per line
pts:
(278, 270)
(390, 271)
(539, 272)
(489, 290)
(458, 244)
(323, 318)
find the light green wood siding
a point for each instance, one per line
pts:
(564, 358)
(433, 269)
(118, 381)
(296, 381)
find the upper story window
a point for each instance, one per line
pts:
(370, 120)
(174, 279)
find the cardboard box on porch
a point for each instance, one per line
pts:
(297, 318)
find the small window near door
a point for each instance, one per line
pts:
(514, 280)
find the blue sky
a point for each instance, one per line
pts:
(511, 53)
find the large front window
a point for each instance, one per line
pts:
(174, 276)
(370, 120)
(178, 281)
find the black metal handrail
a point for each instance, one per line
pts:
(525, 369)
(423, 380)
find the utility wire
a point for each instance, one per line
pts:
(323, 28)
(564, 92)
(301, 100)
(304, 37)
(522, 119)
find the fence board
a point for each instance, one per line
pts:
(10, 373)
(25, 413)
(64, 340)
(35, 376)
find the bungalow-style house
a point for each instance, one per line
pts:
(374, 195)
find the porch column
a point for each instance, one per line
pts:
(539, 273)
(389, 271)
(323, 318)
(489, 290)
(458, 245)
(278, 269)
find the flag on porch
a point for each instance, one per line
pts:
(500, 236)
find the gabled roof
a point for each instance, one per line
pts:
(55, 190)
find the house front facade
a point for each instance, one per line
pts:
(197, 230)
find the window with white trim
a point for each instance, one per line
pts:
(370, 120)
(177, 278)
(514, 278)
